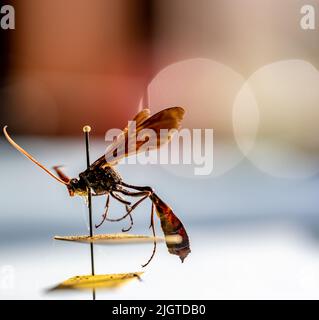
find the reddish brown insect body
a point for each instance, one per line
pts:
(103, 179)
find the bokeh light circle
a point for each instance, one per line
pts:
(287, 143)
(206, 89)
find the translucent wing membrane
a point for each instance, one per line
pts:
(135, 137)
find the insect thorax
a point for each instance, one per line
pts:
(101, 180)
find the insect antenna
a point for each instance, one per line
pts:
(20, 149)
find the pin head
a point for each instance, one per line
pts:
(86, 129)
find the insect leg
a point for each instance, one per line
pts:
(154, 235)
(170, 223)
(134, 194)
(105, 211)
(119, 198)
(131, 219)
(145, 189)
(148, 192)
(137, 194)
(122, 200)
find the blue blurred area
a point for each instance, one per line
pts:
(35, 206)
(247, 229)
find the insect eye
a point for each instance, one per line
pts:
(74, 181)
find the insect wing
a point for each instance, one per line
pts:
(133, 139)
(120, 139)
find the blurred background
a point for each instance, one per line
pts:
(246, 69)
